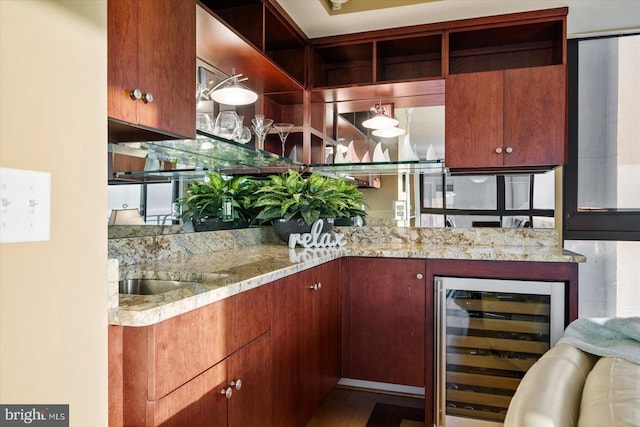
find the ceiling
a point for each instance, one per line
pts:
(586, 17)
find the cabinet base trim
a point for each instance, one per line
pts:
(373, 385)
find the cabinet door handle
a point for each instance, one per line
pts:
(147, 97)
(315, 286)
(135, 94)
(498, 150)
(419, 276)
(228, 392)
(237, 384)
(509, 150)
(319, 286)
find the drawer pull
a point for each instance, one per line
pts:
(498, 150)
(237, 384)
(419, 276)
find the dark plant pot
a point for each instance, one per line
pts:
(283, 228)
(355, 221)
(214, 224)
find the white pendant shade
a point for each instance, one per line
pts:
(380, 121)
(234, 95)
(391, 132)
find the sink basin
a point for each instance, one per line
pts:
(151, 286)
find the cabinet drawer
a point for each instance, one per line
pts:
(182, 347)
(166, 355)
(197, 403)
(250, 316)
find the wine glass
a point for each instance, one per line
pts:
(261, 128)
(283, 130)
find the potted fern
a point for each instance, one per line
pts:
(219, 202)
(292, 203)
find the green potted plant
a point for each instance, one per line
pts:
(292, 203)
(219, 202)
(351, 211)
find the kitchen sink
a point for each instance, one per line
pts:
(152, 286)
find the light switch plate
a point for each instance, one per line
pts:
(25, 206)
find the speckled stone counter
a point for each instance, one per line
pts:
(233, 262)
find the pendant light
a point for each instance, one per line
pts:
(381, 120)
(391, 132)
(230, 92)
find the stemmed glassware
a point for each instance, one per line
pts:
(283, 130)
(261, 127)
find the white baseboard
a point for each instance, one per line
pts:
(376, 386)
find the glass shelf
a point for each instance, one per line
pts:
(427, 167)
(191, 158)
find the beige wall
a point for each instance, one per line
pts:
(53, 296)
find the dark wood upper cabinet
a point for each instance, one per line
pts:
(474, 119)
(135, 31)
(506, 93)
(265, 28)
(535, 116)
(511, 118)
(500, 47)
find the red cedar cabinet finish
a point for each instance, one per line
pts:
(135, 31)
(299, 359)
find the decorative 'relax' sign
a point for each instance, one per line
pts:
(316, 238)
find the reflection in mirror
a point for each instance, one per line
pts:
(507, 201)
(423, 138)
(155, 202)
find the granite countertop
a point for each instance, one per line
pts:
(226, 272)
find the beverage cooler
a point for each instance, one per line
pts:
(489, 332)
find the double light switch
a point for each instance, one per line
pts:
(25, 205)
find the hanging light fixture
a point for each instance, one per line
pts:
(391, 132)
(230, 92)
(381, 120)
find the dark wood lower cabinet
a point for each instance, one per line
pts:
(321, 339)
(290, 341)
(200, 402)
(306, 342)
(384, 321)
(197, 403)
(252, 404)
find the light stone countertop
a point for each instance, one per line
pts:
(229, 271)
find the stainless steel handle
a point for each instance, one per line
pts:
(315, 286)
(228, 392)
(419, 276)
(441, 352)
(498, 150)
(319, 285)
(509, 150)
(135, 94)
(237, 384)
(147, 97)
